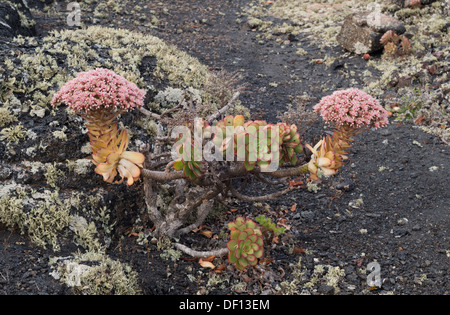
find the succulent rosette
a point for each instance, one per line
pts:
(256, 143)
(99, 96)
(191, 169)
(289, 143)
(246, 243)
(100, 91)
(353, 108)
(350, 111)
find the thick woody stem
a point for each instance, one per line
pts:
(202, 213)
(288, 172)
(161, 176)
(236, 171)
(245, 198)
(197, 254)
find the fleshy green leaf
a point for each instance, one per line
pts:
(238, 120)
(250, 224)
(249, 167)
(242, 236)
(232, 258)
(298, 149)
(232, 245)
(243, 262)
(259, 253)
(178, 165)
(294, 160)
(228, 120)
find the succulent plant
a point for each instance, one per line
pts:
(352, 108)
(99, 96)
(350, 112)
(254, 149)
(290, 143)
(389, 37)
(324, 158)
(269, 227)
(246, 243)
(405, 45)
(395, 44)
(190, 167)
(110, 156)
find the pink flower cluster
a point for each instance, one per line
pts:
(99, 89)
(354, 108)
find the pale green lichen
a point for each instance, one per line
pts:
(301, 52)
(86, 149)
(46, 221)
(52, 174)
(85, 234)
(313, 187)
(43, 223)
(11, 212)
(317, 20)
(6, 117)
(37, 110)
(33, 166)
(171, 254)
(7, 87)
(82, 166)
(13, 134)
(94, 273)
(60, 134)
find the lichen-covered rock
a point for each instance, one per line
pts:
(408, 3)
(15, 19)
(45, 151)
(361, 32)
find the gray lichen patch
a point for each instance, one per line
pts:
(94, 273)
(319, 21)
(6, 117)
(420, 78)
(13, 134)
(35, 73)
(41, 220)
(319, 279)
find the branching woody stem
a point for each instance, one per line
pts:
(288, 172)
(236, 171)
(148, 113)
(197, 254)
(224, 109)
(245, 198)
(161, 176)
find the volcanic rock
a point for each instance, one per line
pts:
(15, 19)
(361, 32)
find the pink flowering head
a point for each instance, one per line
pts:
(353, 108)
(100, 90)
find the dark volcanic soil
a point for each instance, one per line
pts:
(390, 203)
